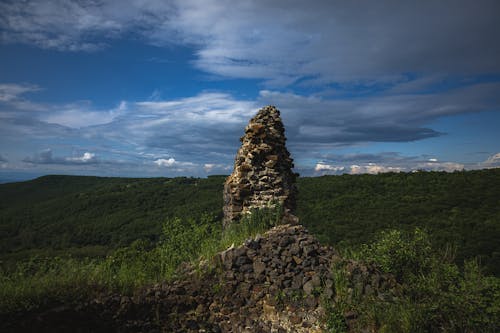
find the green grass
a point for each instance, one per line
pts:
(461, 209)
(436, 294)
(41, 282)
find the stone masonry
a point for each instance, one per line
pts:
(262, 175)
(274, 282)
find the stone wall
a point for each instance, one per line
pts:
(262, 174)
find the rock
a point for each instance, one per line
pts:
(242, 260)
(308, 287)
(297, 260)
(316, 281)
(297, 281)
(295, 319)
(262, 174)
(258, 267)
(247, 268)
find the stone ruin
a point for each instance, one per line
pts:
(275, 282)
(262, 175)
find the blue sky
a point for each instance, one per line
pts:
(165, 88)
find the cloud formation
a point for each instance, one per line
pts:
(342, 73)
(15, 105)
(76, 25)
(176, 166)
(338, 41)
(11, 92)
(381, 118)
(46, 157)
(199, 134)
(381, 163)
(492, 162)
(282, 42)
(77, 115)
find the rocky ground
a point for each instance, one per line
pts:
(276, 282)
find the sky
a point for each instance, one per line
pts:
(145, 88)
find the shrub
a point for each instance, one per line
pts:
(436, 295)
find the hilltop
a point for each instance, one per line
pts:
(93, 216)
(284, 279)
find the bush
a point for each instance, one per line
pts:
(401, 254)
(436, 295)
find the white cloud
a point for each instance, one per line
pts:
(85, 158)
(204, 129)
(372, 168)
(199, 128)
(215, 167)
(440, 166)
(492, 162)
(10, 91)
(320, 166)
(386, 118)
(207, 108)
(208, 167)
(46, 157)
(76, 25)
(78, 115)
(176, 166)
(165, 163)
(281, 42)
(74, 115)
(329, 41)
(381, 163)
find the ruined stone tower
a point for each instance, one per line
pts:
(262, 174)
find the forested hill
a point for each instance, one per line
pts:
(460, 209)
(88, 216)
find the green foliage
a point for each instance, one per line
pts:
(400, 253)
(335, 308)
(63, 238)
(93, 216)
(40, 282)
(461, 209)
(436, 295)
(335, 322)
(183, 240)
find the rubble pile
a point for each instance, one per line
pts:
(276, 282)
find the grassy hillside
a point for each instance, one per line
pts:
(149, 227)
(89, 216)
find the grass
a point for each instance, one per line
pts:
(436, 295)
(41, 282)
